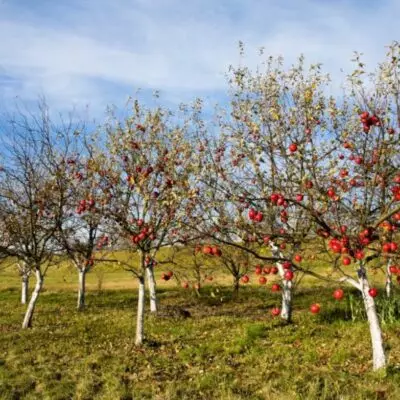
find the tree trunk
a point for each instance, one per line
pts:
(286, 309)
(378, 354)
(140, 313)
(389, 282)
(27, 323)
(236, 281)
(152, 288)
(24, 288)
(82, 289)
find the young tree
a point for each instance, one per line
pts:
(85, 229)
(30, 200)
(288, 140)
(148, 188)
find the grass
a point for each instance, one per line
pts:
(227, 349)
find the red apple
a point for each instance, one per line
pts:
(288, 275)
(207, 250)
(293, 148)
(338, 294)
(346, 261)
(252, 213)
(373, 292)
(298, 258)
(275, 287)
(245, 279)
(393, 269)
(262, 280)
(259, 217)
(258, 270)
(275, 311)
(315, 308)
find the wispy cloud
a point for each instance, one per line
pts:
(97, 52)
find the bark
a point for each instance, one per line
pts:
(286, 311)
(82, 289)
(286, 308)
(378, 354)
(236, 281)
(140, 313)
(152, 289)
(389, 283)
(24, 288)
(27, 323)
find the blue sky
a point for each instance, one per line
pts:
(86, 52)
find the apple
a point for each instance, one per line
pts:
(258, 270)
(262, 280)
(274, 197)
(286, 264)
(393, 269)
(288, 275)
(373, 292)
(245, 279)
(259, 217)
(207, 250)
(299, 197)
(266, 239)
(267, 270)
(275, 311)
(215, 251)
(275, 287)
(359, 255)
(346, 261)
(252, 213)
(338, 294)
(315, 308)
(293, 148)
(298, 258)
(274, 270)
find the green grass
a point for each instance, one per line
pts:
(227, 349)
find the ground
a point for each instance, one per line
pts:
(226, 349)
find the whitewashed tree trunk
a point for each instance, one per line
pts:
(140, 313)
(286, 308)
(378, 354)
(389, 283)
(152, 288)
(82, 288)
(24, 288)
(27, 323)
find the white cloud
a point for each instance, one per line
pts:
(93, 52)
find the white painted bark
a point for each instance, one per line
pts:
(286, 306)
(25, 273)
(82, 289)
(140, 313)
(27, 323)
(389, 283)
(152, 288)
(24, 288)
(378, 354)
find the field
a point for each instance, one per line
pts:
(226, 349)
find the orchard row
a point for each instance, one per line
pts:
(284, 174)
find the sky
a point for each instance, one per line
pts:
(98, 52)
